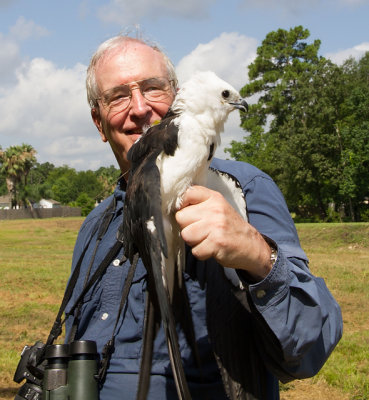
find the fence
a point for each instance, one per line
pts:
(63, 211)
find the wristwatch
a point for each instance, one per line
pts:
(273, 248)
(273, 254)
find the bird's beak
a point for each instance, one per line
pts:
(241, 105)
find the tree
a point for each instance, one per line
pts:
(67, 184)
(293, 125)
(40, 172)
(16, 163)
(62, 181)
(28, 181)
(87, 182)
(108, 177)
(38, 186)
(85, 202)
(353, 131)
(3, 188)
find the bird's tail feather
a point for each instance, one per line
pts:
(159, 275)
(182, 313)
(151, 325)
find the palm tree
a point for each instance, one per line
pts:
(16, 163)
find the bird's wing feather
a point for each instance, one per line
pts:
(228, 313)
(231, 332)
(144, 232)
(151, 326)
(230, 188)
(161, 137)
(205, 100)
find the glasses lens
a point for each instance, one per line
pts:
(119, 97)
(155, 89)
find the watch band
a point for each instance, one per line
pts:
(273, 255)
(273, 247)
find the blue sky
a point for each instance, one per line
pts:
(45, 47)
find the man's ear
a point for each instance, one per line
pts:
(95, 114)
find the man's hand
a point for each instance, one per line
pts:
(213, 228)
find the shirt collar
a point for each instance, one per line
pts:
(120, 190)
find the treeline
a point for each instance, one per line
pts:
(308, 127)
(28, 181)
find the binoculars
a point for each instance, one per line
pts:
(69, 373)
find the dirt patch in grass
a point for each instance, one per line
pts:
(309, 390)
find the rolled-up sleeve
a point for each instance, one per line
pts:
(298, 319)
(302, 314)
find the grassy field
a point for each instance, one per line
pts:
(35, 257)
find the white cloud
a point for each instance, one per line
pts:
(80, 152)
(25, 29)
(10, 57)
(43, 97)
(47, 108)
(355, 52)
(228, 56)
(131, 12)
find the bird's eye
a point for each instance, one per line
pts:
(225, 94)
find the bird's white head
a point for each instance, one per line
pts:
(206, 94)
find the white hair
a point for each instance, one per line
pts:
(113, 43)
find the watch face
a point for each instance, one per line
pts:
(273, 256)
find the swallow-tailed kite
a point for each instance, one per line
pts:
(165, 161)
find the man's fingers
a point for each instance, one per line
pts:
(195, 195)
(191, 210)
(194, 233)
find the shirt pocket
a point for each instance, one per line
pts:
(100, 311)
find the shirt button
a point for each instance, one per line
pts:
(260, 293)
(104, 316)
(116, 262)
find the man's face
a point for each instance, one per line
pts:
(123, 127)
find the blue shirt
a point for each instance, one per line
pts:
(294, 319)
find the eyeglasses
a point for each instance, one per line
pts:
(119, 97)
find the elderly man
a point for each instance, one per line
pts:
(290, 323)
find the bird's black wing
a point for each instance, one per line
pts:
(231, 333)
(228, 313)
(143, 231)
(160, 137)
(143, 199)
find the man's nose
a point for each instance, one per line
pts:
(139, 106)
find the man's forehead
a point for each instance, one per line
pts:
(131, 50)
(133, 61)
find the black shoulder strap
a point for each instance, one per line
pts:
(109, 346)
(97, 274)
(106, 219)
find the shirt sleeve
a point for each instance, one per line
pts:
(298, 320)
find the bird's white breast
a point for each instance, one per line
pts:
(189, 164)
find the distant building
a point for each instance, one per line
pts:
(44, 203)
(5, 202)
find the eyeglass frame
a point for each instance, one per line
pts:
(108, 108)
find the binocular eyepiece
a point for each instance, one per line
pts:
(69, 373)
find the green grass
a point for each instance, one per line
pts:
(340, 254)
(35, 258)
